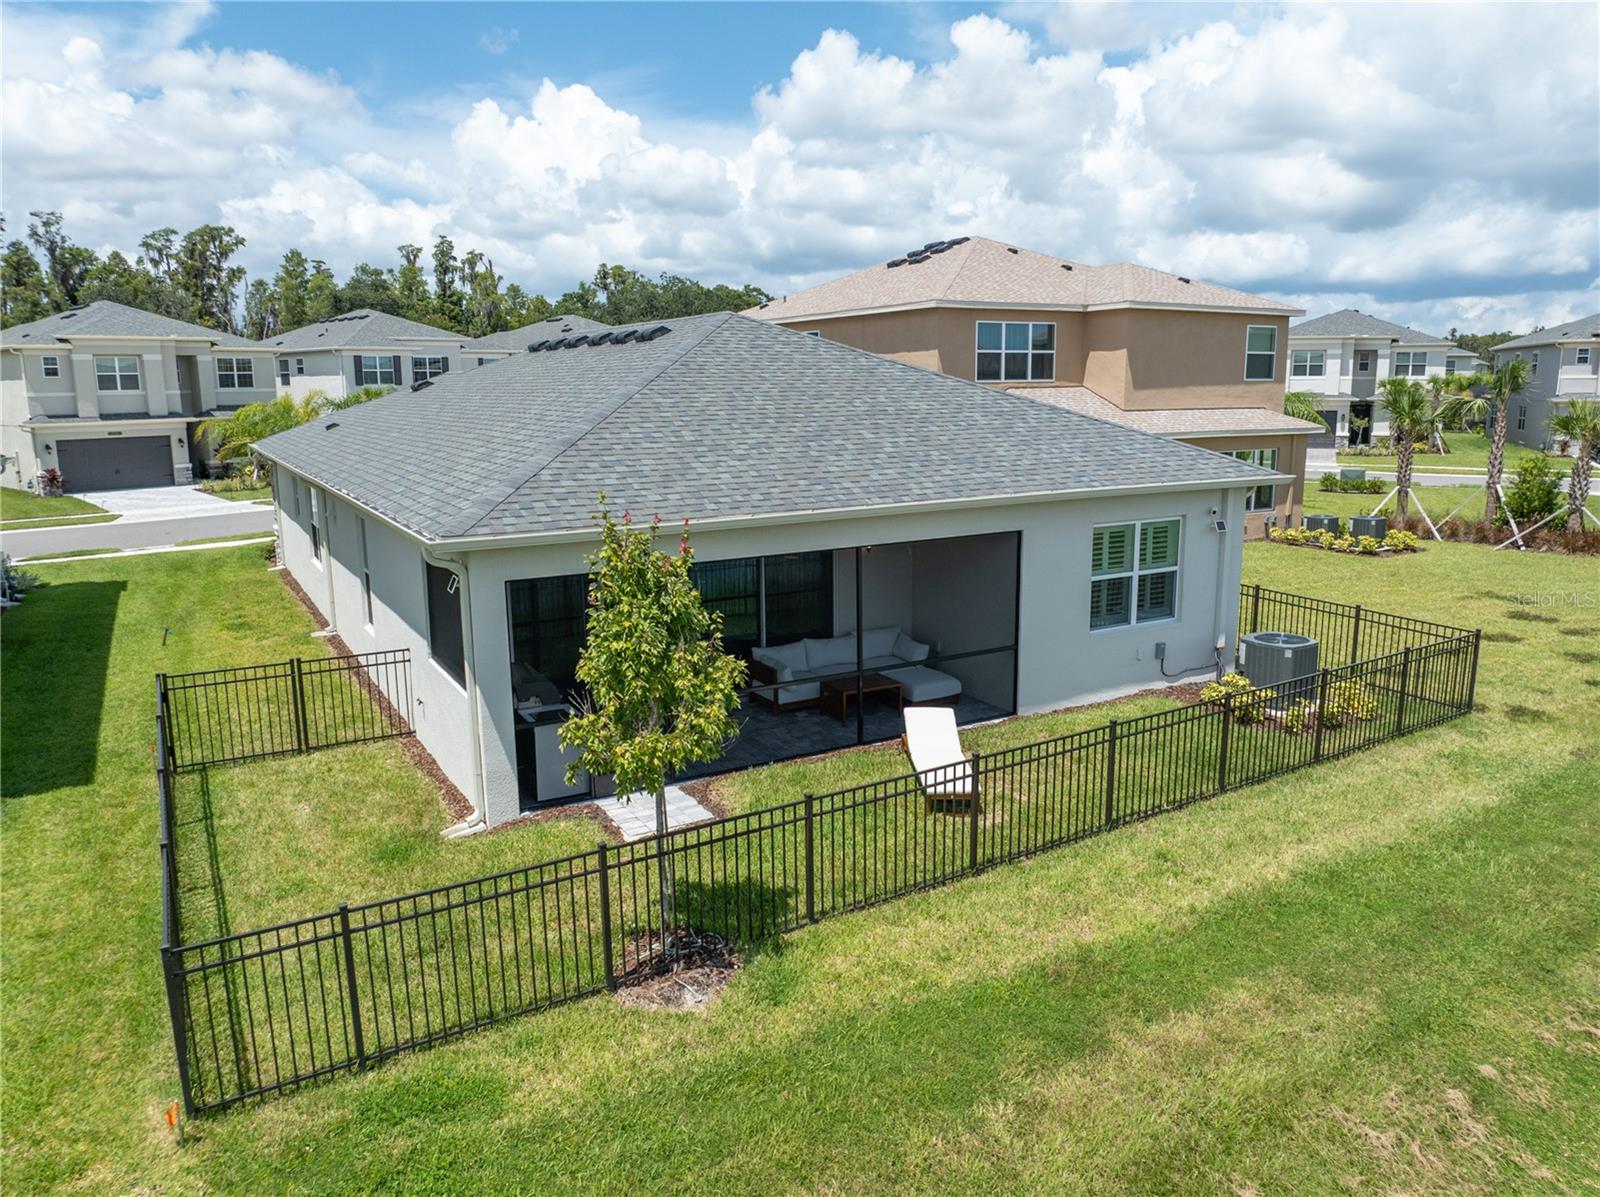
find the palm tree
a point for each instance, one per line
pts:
(1439, 386)
(1302, 405)
(235, 435)
(1504, 385)
(1580, 423)
(1411, 417)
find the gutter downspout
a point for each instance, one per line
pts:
(1228, 579)
(477, 820)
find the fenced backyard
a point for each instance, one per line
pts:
(257, 1011)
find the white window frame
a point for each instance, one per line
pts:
(1135, 572)
(1533, 365)
(1265, 496)
(432, 365)
(386, 363)
(1416, 363)
(1033, 368)
(50, 365)
(1301, 362)
(230, 377)
(299, 365)
(1581, 355)
(1364, 360)
(283, 371)
(123, 369)
(366, 572)
(1522, 417)
(1271, 355)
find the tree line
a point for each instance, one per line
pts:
(194, 276)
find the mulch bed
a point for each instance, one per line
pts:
(703, 965)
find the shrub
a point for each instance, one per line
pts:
(1367, 544)
(1252, 709)
(1348, 701)
(1401, 541)
(1535, 494)
(1297, 718)
(50, 481)
(1352, 486)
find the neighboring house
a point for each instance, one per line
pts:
(1161, 352)
(1563, 363)
(111, 395)
(492, 348)
(1344, 355)
(995, 553)
(365, 348)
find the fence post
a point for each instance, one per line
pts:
(1111, 768)
(1355, 637)
(1322, 709)
(605, 919)
(1227, 731)
(1255, 608)
(1405, 684)
(302, 738)
(350, 981)
(972, 815)
(177, 1004)
(1472, 677)
(811, 860)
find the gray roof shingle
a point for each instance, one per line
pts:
(516, 339)
(723, 417)
(103, 318)
(360, 329)
(1351, 323)
(1583, 328)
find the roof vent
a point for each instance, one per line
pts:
(1181, 279)
(557, 343)
(651, 334)
(535, 346)
(1066, 265)
(331, 425)
(1010, 249)
(958, 241)
(893, 262)
(601, 338)
(416, 386)
(68, 315)
(626, 335)
(580, 339)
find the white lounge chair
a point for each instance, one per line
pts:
(931, 742)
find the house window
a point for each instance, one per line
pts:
(1016, 351)
(1262, 497)
(813, 332)
(1522, 417)
(1364, 361)
(768, 600)
(381, 371)
(1260, 353)
(1533, 365)
(549, 617)
(51, 364)
(445, 643)
(116, 373)
(1134, 573)
(283, 371)
(482, 361)
(366, 573)
(1449, 367)
(316, 524)
(1308, 363)
(1583, 356)
(424, 368)
(1410, 361)
(234, 373)
(299, 365)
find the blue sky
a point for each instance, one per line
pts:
(1435, 164)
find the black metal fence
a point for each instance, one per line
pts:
(263, 1010)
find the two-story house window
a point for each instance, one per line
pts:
(1260, 353)
(1364, 359)
(235, 373)
(1308, 363)
(1583, 355)
(424, 368)
(283, 371)
(1262, 497)
(1522, 417)
(116, 373)
(299, 365)
(381, 370)
(1533, 365)
(1016, 351)
(50, 365)
(1410, 362)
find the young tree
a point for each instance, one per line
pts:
(661, 693)
(1504, 385)
(1411, 418)
(1580, 424)
(1302, 405)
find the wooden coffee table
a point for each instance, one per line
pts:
(836, 695)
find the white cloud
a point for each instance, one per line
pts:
(497, 40)
(1298, 150)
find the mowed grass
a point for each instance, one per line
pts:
(1468, 451)
(1379, 975)
(1438, 501)
(21, 504)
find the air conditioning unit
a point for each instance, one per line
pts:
(1285, 661)
(1375, 526)
(1322, 523)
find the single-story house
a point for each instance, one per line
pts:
(111, 396)
(849, 514)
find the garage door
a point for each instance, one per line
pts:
(1324, 440)
(115, 462)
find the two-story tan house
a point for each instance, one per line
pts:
(1167, 354)
(111, 396)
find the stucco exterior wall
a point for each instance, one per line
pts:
(1288, 497)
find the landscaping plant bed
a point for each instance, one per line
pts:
(697, 968)
(1397, 541)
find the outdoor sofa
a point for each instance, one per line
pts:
(793, 673)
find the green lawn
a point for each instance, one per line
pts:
(21, 505)
(1378, 975)
(1439, 502)
(241, 496)
(1469, 451)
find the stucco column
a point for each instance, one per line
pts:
(83, 386)
(155, 384)
(205, 368)
(169, 364)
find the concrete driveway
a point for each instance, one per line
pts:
(152, 517)
(159, 502)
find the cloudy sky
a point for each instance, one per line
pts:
(1435, 164)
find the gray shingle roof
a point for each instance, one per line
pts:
(723, 417)
(516, 339)
(103, 318)
(360, 329)
(1351, 323)
(1584, 327)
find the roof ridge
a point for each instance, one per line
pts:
(627, 397)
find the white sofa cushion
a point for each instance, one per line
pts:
(879, 642)
(832, 654)
(908, 649)
(921, 684)
(786, 659)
